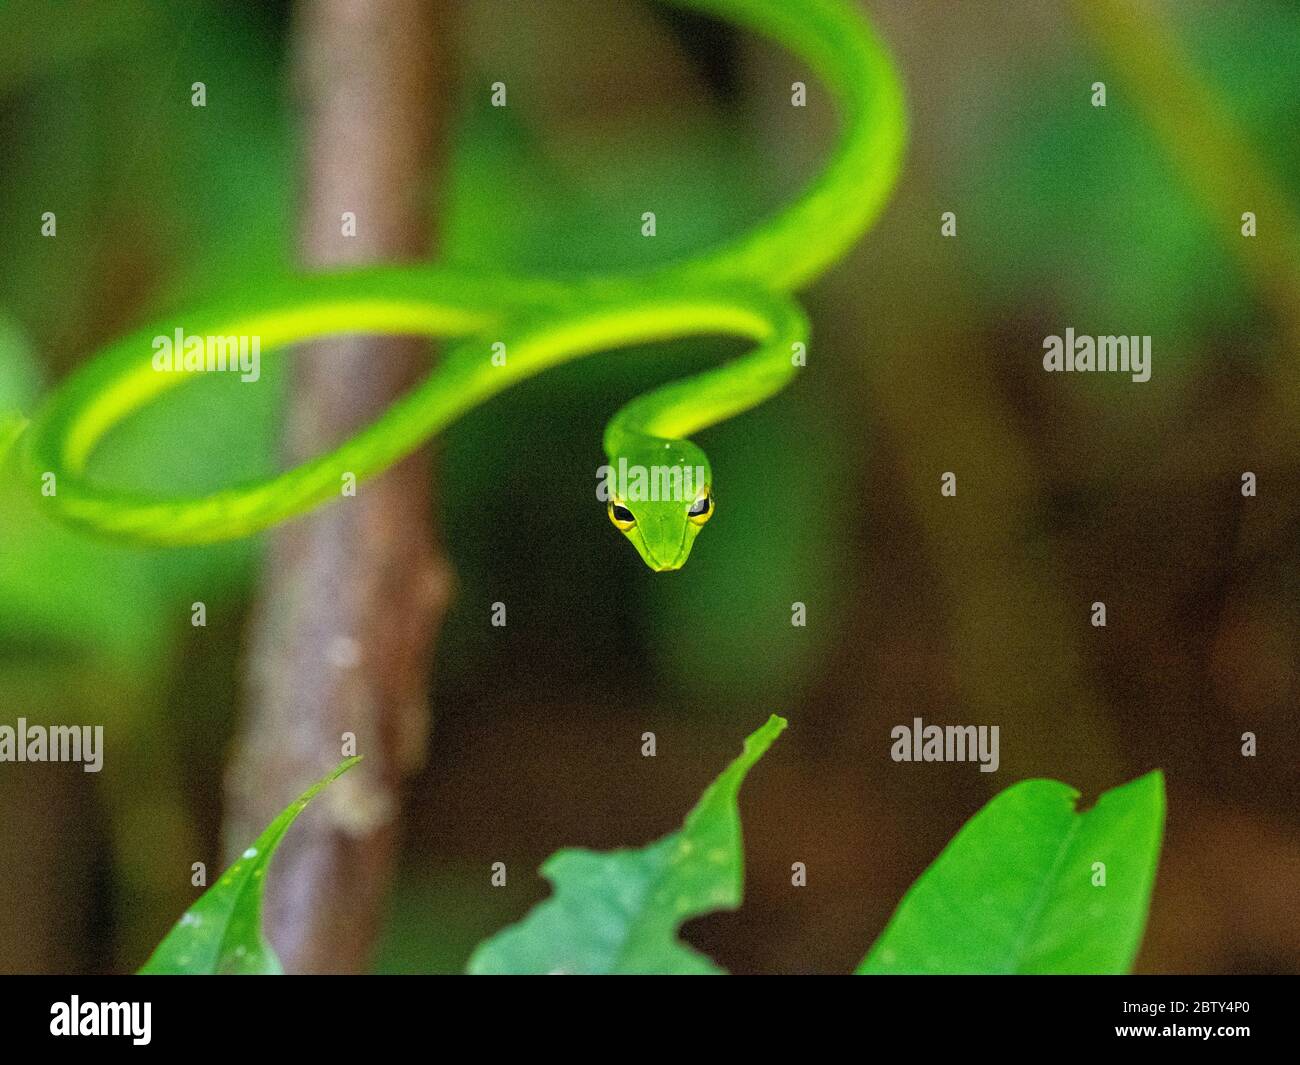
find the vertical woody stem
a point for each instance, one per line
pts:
(353, 594)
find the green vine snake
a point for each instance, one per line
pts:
(741, 288)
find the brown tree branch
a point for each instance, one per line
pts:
(353, 594)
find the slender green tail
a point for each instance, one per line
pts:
(509, 328)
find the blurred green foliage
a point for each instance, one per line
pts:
(1080, 206)
(153, 200)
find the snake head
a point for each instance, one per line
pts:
(661, 507)
(662, 531)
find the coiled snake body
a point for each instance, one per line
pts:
(741, 288)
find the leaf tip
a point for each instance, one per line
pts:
(757, 743)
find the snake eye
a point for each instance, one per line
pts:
(702, 509)
(622, 518)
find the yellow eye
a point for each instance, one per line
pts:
(622, 518)
(702, 509)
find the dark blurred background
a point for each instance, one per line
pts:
(926, 358)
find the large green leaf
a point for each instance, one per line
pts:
(1018, 889)
(222, 932)
(619, 912)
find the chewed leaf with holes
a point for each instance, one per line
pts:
(619, 912)
(222, 932)
(1030, 885)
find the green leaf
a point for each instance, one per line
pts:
(222, 932)
(1014, 891)
(619, 912)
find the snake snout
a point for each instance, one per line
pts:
(676, 562)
